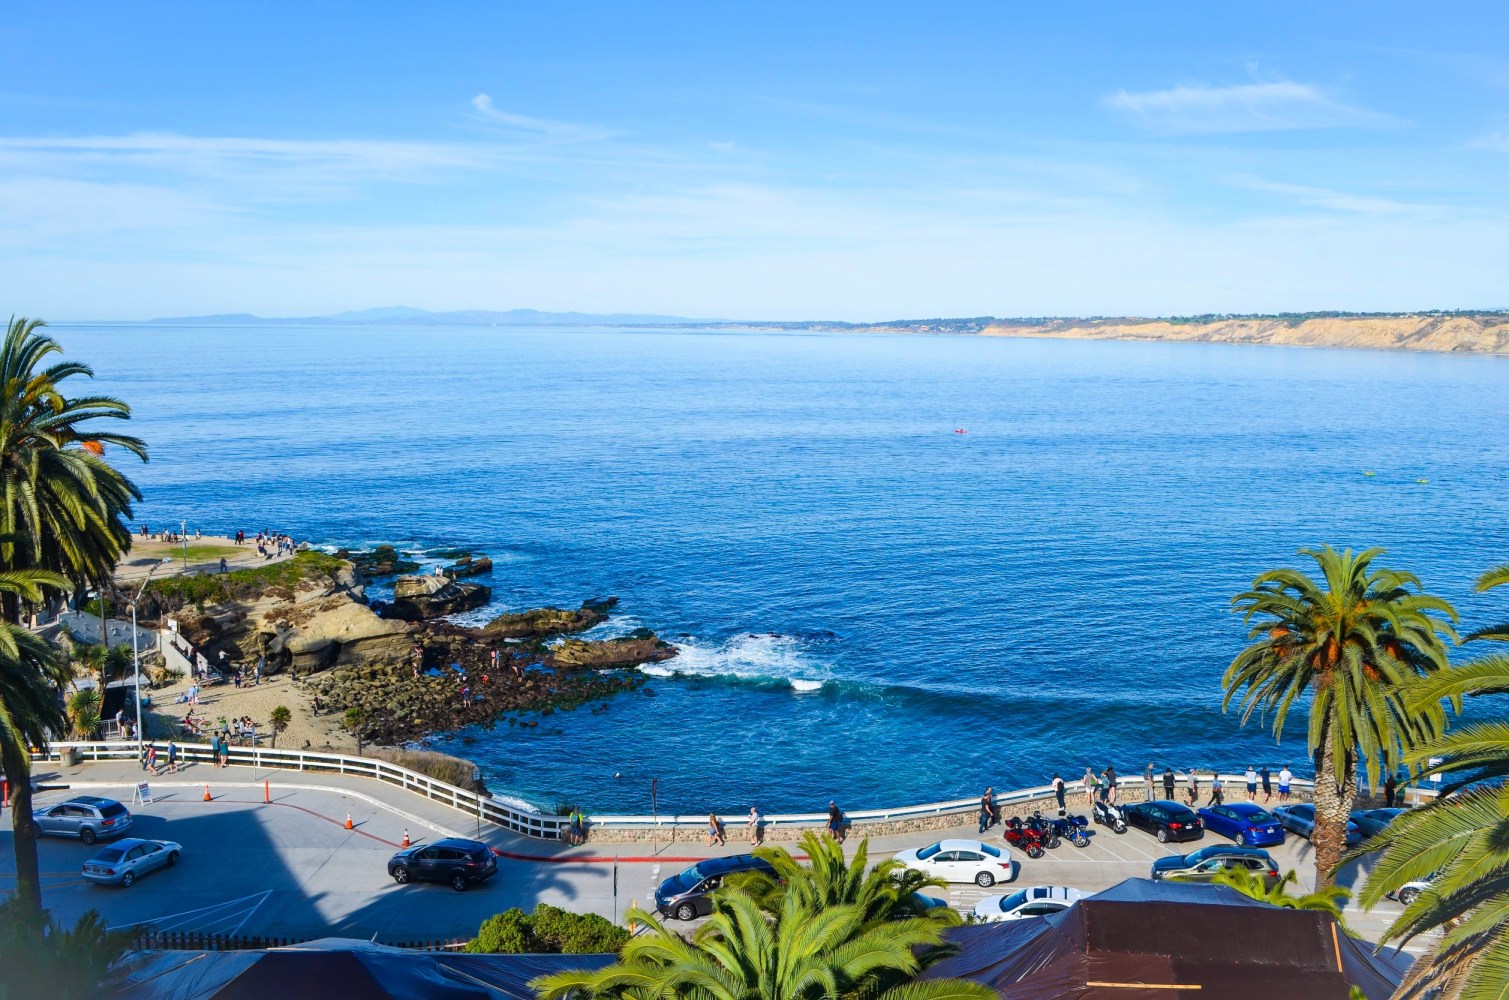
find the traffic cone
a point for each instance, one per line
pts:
(405, 837)
(206, 793)
(349, 824)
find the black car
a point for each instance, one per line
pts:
(1165, 819)
(689, 894)
(459, 862)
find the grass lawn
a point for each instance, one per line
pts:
(205, 553)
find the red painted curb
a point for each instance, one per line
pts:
(592, 859)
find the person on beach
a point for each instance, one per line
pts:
(1251, 777)
(1147, 781)
(1058, 793)
(835, 822)
(754, 827)
(1266, 777)
(1284, 778)
(714, 830)
(1168, 783)
(988, 813)
(1108, 785)
(1090, 782)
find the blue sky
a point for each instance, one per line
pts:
(863, 161)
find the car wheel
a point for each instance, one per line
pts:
(86, 835)
(1034, 851)
(1241, 839)
(458, 882)
(1408, 896)
(985, 880)
(401, 875)
(128, 879)
(1162, 835)
(686, 911)
(172, 858)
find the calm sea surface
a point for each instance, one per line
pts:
(871, 607)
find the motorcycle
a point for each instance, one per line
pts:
(1108, 815)
(1070, 828)
(1046, 830)
(1023, 838)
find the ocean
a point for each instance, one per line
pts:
(898, 568)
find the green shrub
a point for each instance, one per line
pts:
(46, 960)
(549, 930)
(180, 591)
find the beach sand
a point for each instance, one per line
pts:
(323, 732)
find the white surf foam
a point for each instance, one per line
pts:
(746, 657)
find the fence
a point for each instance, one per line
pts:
(511, 817)
(198, 941)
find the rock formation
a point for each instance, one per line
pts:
(417, 598)
(542, 622)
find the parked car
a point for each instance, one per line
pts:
(960, 861)
(1165, 819)
(1208, 862)
(689, 894)
(87, 817)
(920, 903)
(128, 859)
(1035, 901)
(454, 860)
(1247, 823)
(1371, 822)
(1300, 819)
(1410, 891)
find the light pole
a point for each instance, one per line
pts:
(183, 536)
(136, 649)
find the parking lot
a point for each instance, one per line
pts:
(290, 868)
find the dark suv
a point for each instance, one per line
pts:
(689, 894)
(1165, 819)
(1208, 862)
(459, 862)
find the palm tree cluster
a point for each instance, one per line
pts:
(63, 507)
(829, 929)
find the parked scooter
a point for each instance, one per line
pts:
(1108, 815)
(1070, 828)
(1023, 838)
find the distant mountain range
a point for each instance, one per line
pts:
(405, 316)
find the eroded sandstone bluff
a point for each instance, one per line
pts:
(408, 672)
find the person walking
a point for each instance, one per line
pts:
(754, 827)
(835, 822)
(1090, 783)
(1168, 783)
(1251, 777)
(1266, 777)
(172, 757)
(1108, 789)
(1147, 782)
(1058, 792)
(144, 757)
(1390, 790)
(152, 758)
(987, 809)
(1284, 778)
(1192, 793)
(1217, 796)
(714, 831)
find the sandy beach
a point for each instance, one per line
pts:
(322, 732)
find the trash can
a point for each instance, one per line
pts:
(69, 756)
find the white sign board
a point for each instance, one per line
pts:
(1436, 762)
(143, 794)
(173, 625)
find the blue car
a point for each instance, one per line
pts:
(1247, 823)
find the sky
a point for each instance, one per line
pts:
(753, 161)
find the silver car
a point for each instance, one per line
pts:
(87, 817)
(124, 861)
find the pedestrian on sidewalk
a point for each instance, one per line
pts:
(1192, 793)
(1284, 778)
(1217, 796)
(144, 756)
(988, 813)
(172, 757)
(1169, 780)
(1108, 788)
(1251, 777)
(754, 827)
(835, 822)
(1390, 790)
(714, 831)
(1090, 783)
(1147, 781)
(152, 758)
(1058, 793)
(1266, 777)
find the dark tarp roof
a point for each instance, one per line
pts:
(334, 969)
(1170, 934)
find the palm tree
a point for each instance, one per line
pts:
(1326, 899)
(1352, 643)
(743, 953)
(1460, 842)
(30, 678)
(280, 719)
(829, 879)
(61, 502)
(83, 709)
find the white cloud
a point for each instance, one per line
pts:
(1197, 109)
(541, 128)
(1332, 200)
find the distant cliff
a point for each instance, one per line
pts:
(1486, 333)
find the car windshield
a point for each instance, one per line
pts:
(688, 879)
(113, 854)
(993, 852)
(1201, 855)
(113, 809)
(1261, 816)
(1011, 902)
(929, 851)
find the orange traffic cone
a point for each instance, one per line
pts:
(206, 793)
(405, 837)
(349, 824)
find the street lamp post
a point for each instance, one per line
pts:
(136, 649)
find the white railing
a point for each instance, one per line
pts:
(530, 823)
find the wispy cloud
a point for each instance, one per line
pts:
(1198, 109)
(1332, 200)
(540, 128)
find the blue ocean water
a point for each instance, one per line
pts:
(872, 608)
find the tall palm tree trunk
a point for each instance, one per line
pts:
(28, 879)
(1335, 788)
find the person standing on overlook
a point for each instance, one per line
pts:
(1168, 783)
(1251, 777)
(1058, 792)
(1147, 781)
(835, 822)
(1108, 789)
(988, 814)
(1267, 778)
(1090, 783)
(1284, 778)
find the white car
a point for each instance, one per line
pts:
(960, 861)
(1034, 901)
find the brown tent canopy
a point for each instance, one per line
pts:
(1144, 940)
